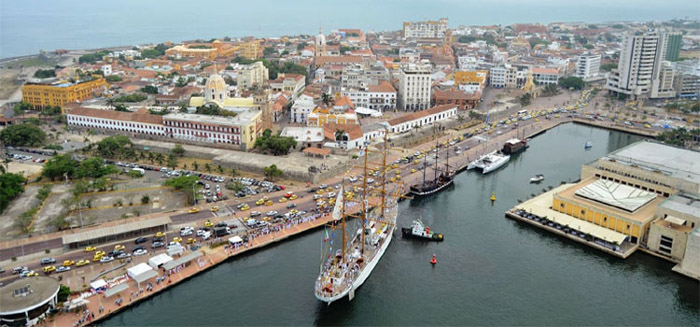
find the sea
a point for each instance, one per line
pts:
(491, 270)
(28, 26)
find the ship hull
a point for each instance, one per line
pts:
(408, 232)
(364, 274)
(419, 192)
(495, 166)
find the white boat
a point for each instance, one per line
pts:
(489, 162)
(588, 145)
(345, 269)
(538, 178)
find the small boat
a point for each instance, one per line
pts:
(419, 230)
(538, 178)
(588, 145)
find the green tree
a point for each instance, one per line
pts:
(23, 135)
(525, 99)
(60, 166)
(121, 107)
(326, 99)
(135, 97)
(178, 150)
(268, 51)
(150, 89)
(145, 199)
(172, 161)
(195, 166)
(113, 78)
(572, 82)
(276, 144)
(63, 293)
(466, 39)
(45, 73)
(11, 186)
(207, 167)
(94, 168)
(272, 172)
(44, 192)
(115, 146)
(21, 107)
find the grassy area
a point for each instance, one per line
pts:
(29, 62)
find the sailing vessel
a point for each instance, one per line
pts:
(438, 183)
(344, 270)
(489, 162)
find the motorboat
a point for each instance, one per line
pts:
(538, 178)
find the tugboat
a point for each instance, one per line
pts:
(538, 178)
(418, 230)
(514, 146)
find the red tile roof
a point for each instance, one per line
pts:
(383, 86)
(420, 114)
(354, 131)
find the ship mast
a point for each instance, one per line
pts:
(447, 162)
(364, 209)
(386, 146)
(437, 148)
(425, 167)
(342, 189)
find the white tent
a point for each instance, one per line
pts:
(141, 272)
(98, 284)
(159, 260)
(235, 239)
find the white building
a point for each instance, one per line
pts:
(379, 97)
(422, 118)
(302, 107)
(543, 75)
(139, 122)
(497, 76)
(414, 87)
(588, 66)
(292, 83)
(425, 29)
(639, 65)
(106, 70)
(662, 87)
(253, 74)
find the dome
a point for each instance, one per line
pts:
(215, 89)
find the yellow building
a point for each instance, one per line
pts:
(58, 94)
(250, 50)
(209, 51)
(340, 113)
(471, 77)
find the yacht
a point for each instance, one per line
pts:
(489, 162)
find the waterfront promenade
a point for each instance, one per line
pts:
(101, 307)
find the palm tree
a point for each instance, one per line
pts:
(195, 165)
(220, 169)
(207, 167)
(339, 135)
(326, 98)
(159, 158)
(234, 172)
(150, 157)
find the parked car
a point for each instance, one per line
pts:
(140, 252)
(106, 259)
(157, 244)
(141, 240)
(47, 261)
(19, 270)
(61, 269)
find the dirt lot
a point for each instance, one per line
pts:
(7, 82)
(19, 205)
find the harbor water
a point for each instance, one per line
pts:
(490, 271)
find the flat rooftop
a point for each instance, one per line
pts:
(243, 117)
(616, 195)
(304, 134)
(30, 292)
(683, 203)
(675, 162)
(642, 215)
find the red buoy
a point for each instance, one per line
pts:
(433, 261)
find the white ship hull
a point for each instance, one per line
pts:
(489, 162)
(364, 274)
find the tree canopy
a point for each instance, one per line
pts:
(571, 82)
(59, 166)
(45, 73)
(276, 144)
(117, 146)
(136, 97)
(23, 135)
(11, 186)
(181, 182)
(678, 137)
(92, 58)
(272, 172)
(113, 78)
(150, 89)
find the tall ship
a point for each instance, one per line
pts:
(514, 146)
(439, 181)
(345, 269)
(489, 162)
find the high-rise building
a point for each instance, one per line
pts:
(662, 87)
(588, 66)
(673, 49)
(639, 64)
(414, 87)
(425, 29)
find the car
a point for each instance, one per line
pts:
(160, 234)
(260, 202)
(331, 195)
(271, 213)
(61, 269)
(123, 256)
(200, 232)
(214, 209)
(157, 244)
(106, 259)
(49, 269)
(47, 261)
(187, 231)
(140, 252)
(141, 240)
(291, 205)
(413, 170)
(245, 207)
(119, 247)
(208, 223)
(19, 270)
(68, 263)
(177, 239)
(194, 210)
(255, 213)
(293, 197)
(81, 263)
(269, 203)
(90, 248)
(191, 240)
(28, 273)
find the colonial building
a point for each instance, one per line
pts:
(458, 98)
(422, 118)
(60, 93)
(379, 97)
(292, 83)
(208, 51)
(302, 108)
(340, 112)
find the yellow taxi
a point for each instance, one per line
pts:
(245, 207)
(32, 274)
(191, 240)
(397, 172)
(208, 223)
(283, 200)
(413, 170)
(160, 234)
(293, 197)
(90, 248)
(97, 257)
(177, 239)
(49, 269)
(269, 203)
(194, 210)
(68, 263)
(398, 177)
(214, 209)
(393, 179)
(119, 247)
(100, 253)
(329, 189)
(320, 192)
(82, 263)
(294, 211)
(260, 202)
(394, 166)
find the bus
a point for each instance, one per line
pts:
(522, 112)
